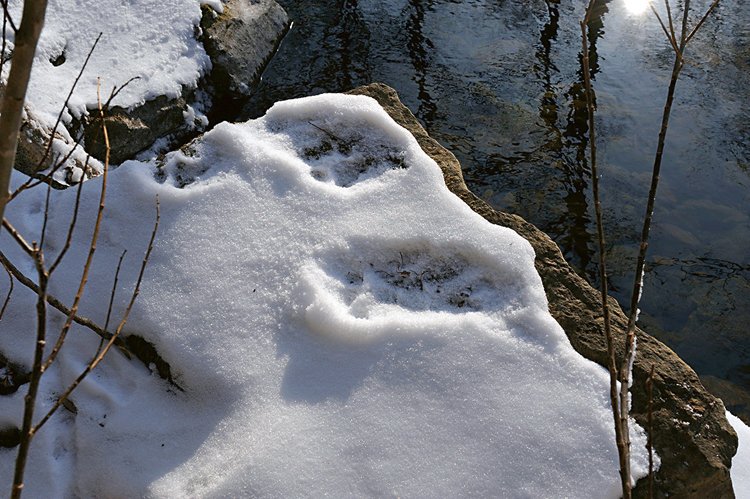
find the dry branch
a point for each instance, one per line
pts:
(57, 304)
(92, 245)
(623, 450)
(27, 37)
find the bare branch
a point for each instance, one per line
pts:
(71, 227)
(671, 22)
(669, 34)
(623, 450)
(703, 20)
(26, 247)
(92, 245)
(15, 91)
(67, 99)
(10, 291)
(6, 15)
(45, 218)
(114, 290)
(6, 18)
(101, 353)
(57, 304)
(29, 183)
(27, 429)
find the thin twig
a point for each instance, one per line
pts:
(650, 438)
(25, 246)
(48, 149)
(71, 228)
(670, 38)
(45, 218)
(27, 431)
(59, 163)
(103, 352)
(57, 304)
(6, 15)
(643, 247)
(671, 21)
(10, 292)
(703, 20)
(92, 245)
(112, 297)
(4, 43)
(622, 449)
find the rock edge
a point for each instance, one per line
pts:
(690, 431)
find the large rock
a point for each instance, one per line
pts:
(130, 131)
(690, 431)
(241, 40)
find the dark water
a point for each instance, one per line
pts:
(498, 83)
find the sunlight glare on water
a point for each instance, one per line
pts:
(636, 6)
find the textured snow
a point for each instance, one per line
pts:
(741, 461)
(341, 324)
(154, 41)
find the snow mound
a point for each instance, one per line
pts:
(341, 324)
(154, 41)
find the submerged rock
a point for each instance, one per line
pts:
(690, 431)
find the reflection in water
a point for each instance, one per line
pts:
(420, 47)
(499, 83)
(636, 6)
(569, 145)
(345, 37)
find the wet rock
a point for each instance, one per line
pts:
(690, 432)
(131, 131)
(240, 41)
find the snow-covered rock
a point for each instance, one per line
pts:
(160, 44)
(340, 323)
(691, 433)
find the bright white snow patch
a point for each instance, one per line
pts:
(741, 461)
(340, 322)
(154, 41)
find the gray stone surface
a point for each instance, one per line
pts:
(690, 432)
(132, 131)
(241, 40)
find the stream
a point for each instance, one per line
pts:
(498, 82)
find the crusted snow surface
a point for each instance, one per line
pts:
(154, 41)
(340, 323)
(741, 461)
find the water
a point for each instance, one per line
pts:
(498, 83)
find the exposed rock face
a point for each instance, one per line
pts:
(132, 131)
(690, 431)
(241, 40)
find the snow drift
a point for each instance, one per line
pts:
(341, 325)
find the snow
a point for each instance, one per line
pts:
(340, 323)
(741, 461)
(154, 41)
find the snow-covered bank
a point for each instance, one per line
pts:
(154, 41)
(340, 322)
